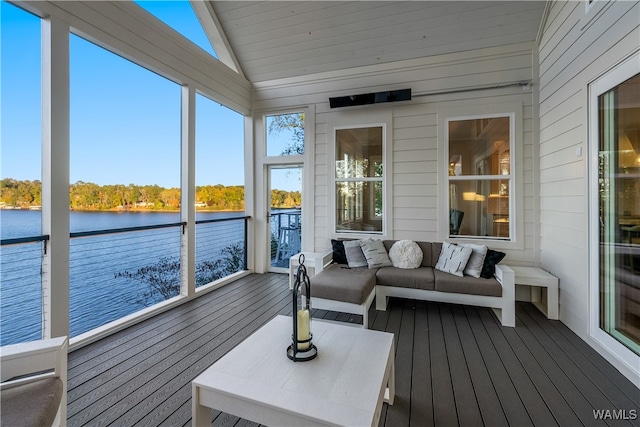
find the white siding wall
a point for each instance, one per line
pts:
(576, 46)
(416, 144)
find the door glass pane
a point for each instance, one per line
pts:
(619, 205)
(286, 214)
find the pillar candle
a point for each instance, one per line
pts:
(303, 328)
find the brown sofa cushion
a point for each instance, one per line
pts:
(426, 252)
(32, 404)
(436, 248)
(445, 282)
(416, 278)
(340, 283)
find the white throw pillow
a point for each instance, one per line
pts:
(476, 260)
(375, 253)
(453, 259)
(405, 254)
(355, 257)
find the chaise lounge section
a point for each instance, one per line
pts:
(337, 287)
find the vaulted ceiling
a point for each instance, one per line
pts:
(274, 40)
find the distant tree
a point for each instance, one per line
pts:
(170, 197)
(293, 123)
(90, 196)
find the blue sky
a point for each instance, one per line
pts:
(125, 120)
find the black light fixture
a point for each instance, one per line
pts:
(370, 98)
(301, 348)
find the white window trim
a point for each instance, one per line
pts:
(626, 358)
(464, 111)
(260, 167)
(353, 120)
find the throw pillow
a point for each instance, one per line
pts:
(476, 260)
(375, 253)
(490, 261)
(339, 256)
(405, 254)
(453, 259)
(355, 257)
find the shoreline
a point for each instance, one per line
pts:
(132, 210)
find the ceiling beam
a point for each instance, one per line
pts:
(213, 29)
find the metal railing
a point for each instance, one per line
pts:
(286, 228)
(113, 272)
(21, 308)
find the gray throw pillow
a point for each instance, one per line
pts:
(453, 259)
(375, 253)
(476, 260)
(355, 257)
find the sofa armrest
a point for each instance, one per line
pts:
(35, 361)
(504, 273)
(323, 259)
(36, 356)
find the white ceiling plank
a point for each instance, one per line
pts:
(275, 40)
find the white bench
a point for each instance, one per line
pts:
(538, 278)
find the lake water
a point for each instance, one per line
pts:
(98, 293)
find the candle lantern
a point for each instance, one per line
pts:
(301, 348)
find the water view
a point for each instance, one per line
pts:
(111, 275)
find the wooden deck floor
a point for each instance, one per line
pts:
(455, 365)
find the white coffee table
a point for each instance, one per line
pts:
(344, 385)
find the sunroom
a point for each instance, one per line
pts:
(512, 124)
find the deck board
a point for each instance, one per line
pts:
(488, 402)
(421, 396)
(455, 365)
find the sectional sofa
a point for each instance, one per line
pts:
(338, 287)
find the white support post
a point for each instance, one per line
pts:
(253, 179)
(55, 176)
(187, 193)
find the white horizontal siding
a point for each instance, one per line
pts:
(416, 145)
(444, 72)
(576, 46)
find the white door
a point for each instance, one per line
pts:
(615, 209)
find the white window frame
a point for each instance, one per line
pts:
(607, 81)
(464, 111)
(357, 120)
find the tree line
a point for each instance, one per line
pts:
(90, 196)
